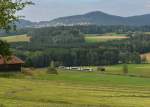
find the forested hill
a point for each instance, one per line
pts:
(24, 23)
(92, 18)
(100, 18)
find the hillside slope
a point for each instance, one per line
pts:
(91, 18)
(100, 18)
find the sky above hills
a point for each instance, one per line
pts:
(45, 10)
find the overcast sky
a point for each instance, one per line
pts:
(45, 10)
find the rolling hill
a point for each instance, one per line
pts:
(91, 18)
(100, 18)
(24, 23)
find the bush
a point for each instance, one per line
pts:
(102, 69)
(33, 72)
(125, 69)
(28, 72)
(52, 69)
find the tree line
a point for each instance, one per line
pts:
(89, 29)
(70, 57)
(66, 46)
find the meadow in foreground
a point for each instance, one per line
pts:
(74, 89)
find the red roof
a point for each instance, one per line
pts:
(13, 60)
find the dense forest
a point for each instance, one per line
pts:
(91, 29)
(70, 57)
(66, 46)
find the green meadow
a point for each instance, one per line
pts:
(16, 38)
(140, 70)
(96, 38)
(76, 89)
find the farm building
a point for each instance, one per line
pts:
(13, 64)
(77, 68)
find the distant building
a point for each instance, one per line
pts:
(13, 64)
(87, 69)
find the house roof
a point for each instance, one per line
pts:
(13, 60)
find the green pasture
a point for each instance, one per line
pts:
(95, 38)
(148, 33)
(17, 38)
(75, 89)
(140, 70)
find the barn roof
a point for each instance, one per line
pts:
(13, 60)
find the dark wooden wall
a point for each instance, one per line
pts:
(10, 67)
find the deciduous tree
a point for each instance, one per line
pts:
(5, 51)
(8, 17)
(8, 10)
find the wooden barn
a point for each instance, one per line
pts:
(14, 64)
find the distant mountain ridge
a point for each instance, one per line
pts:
(91, 18)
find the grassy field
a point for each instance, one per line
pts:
(74, 89)
(17, 38)
(95, 38)
(139, 70)
(148, 33)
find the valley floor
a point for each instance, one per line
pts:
(75, 89)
